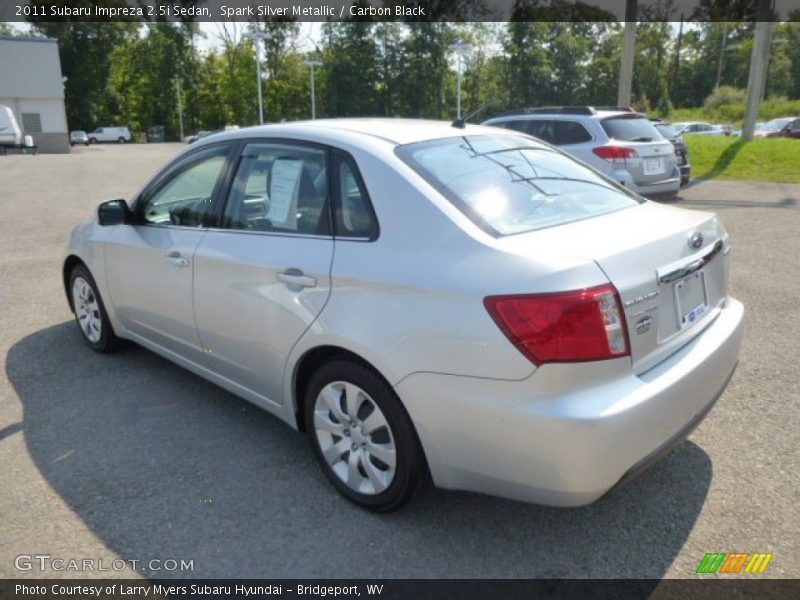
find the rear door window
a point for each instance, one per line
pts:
(630, 128)
(516, 125)
(571, 132)
(544, 129)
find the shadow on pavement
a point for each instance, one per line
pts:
(787, 202)
(161, 464)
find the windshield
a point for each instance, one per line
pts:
(776, 124)
(513, 184)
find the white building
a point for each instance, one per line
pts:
(31, 84)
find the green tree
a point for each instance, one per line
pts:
(351, 72)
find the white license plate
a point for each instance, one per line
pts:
(691, 298)
(653, 166)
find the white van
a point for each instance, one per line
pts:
(10, 132)
(110, 134)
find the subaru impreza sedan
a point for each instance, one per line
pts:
(423, 299)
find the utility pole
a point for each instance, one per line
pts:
(459, 49)
(721, 53)
(626, 65)
(759, 61)
(676, 68)
(180, 104)
(257, 36)
(313, 64)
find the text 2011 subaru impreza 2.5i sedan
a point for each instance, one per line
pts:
(422, 298)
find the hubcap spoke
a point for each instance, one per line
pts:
(375, 475)
(374, 421)
(333, 453)
(323, 421)
(354, 478)
(332, 398)
(353, 399)
(384, 453)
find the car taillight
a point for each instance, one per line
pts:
(614, 153)
(580, 325)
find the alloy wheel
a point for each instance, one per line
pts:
(355, 438)
(87, 310)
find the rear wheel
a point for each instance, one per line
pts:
(121, 140)
(362, 437)
(90, 312)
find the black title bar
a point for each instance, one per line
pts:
(398, 10)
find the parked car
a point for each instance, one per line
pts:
(791, 129)
(618, 142)
(10, 131)
(78, 137)
(495, 312)
(775, 127)
(697, 128)
(110, 134)
(681, 152)
(727, 129)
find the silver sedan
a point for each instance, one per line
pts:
(422, 299)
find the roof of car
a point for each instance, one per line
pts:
(394, 131)
(597, 114)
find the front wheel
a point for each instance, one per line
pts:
(90, 312)
(362, 436)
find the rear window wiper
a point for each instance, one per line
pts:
(641, 139)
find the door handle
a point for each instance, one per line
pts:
(176, 259)
(296, 277)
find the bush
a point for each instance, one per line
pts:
(724, 95)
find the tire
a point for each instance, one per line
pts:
(90, 312)
(360, 452)
(121, 140)
(92, 140)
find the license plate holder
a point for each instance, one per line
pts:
(691, 298)
(653, 166)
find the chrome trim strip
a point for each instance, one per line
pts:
(692, 267)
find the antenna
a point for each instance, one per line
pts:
(461, 123)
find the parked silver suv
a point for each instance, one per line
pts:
(621, 143)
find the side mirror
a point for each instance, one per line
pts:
(113, 212)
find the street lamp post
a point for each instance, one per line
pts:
(180, 104)
(459, 49)
(313, 64)
(257, 36)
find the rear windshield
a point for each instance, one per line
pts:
(513, 184)
(630, 129)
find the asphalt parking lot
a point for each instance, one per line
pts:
(129, 457)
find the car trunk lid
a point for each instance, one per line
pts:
(669, 266)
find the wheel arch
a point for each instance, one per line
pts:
(309, 362)
(70, 263)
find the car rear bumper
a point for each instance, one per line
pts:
(659, 188)
(569, 433)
